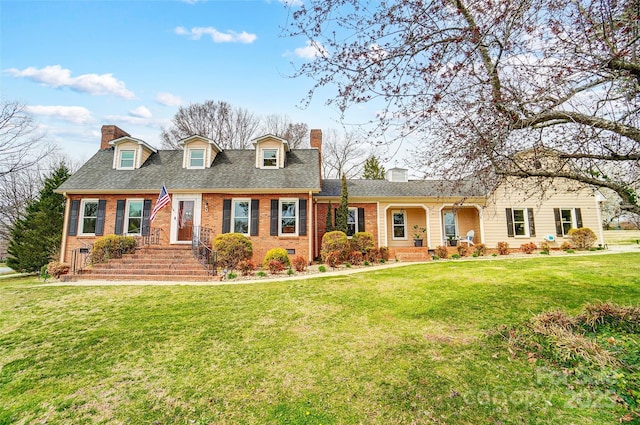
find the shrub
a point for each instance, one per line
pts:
(278, 254)
(356, 258)
(503, 248)
(231, 275)
(441, 251)
(462, 250)
(528, 248)
(435, 257)
(231, 249)
(275, 266)
(373, 255)
(362, 242)
(246, 267)
(544, 246)
(456, 256)
(322, 269)
(582, 238)
(566, 245)
(366, 263)
(112, 246)
(44, 274)
(384, 253)
(480, 249)
(57, 269)
(333, 259)
(299, 263)
(290, 272)
(261, 274)
(335, 241)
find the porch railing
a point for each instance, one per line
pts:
(201, 248)
(153, 238)
(80, 259)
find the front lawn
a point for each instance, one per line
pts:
(416, 344)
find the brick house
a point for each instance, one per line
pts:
(276, 196)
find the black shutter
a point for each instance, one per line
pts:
(226, 215)
(73, 218)
(556, 215)
(274, 218)
(102, 206)
(510, 232)
(120, 203)
(255, 216)
(532, 225)
(302, 221)
(578, 218)
(360, 219)
(146, 213)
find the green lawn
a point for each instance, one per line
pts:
(405, 345)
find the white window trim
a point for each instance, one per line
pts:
(204, 159)
(355, 221)
(281, 201)
(120, 152)
(393, 225)
(444, 225)
(526, 222)
(233, 215)
(126, 216)
(262, 152)
(573, 220)
(81, 217)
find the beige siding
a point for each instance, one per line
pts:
(495, 217)
(209, 153)
(270, 144)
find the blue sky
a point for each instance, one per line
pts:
(81, 64)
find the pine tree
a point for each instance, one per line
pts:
(329, 220)
(36, 237)
(373, 170)
(342, 215)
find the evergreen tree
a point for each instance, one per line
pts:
(342, 215)
(329, 220)
(373, 170)
(36, 237)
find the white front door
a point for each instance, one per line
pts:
(185, 214)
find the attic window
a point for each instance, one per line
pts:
(127, 159)
(269, 158)
(196, 158)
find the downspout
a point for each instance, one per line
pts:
(65, 224)
(315, 235)
(310, 221)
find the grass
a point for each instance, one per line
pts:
(413, 344)
(622, 237)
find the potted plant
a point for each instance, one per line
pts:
(453, 240)
(417, 234)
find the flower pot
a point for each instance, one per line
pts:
(417, 242)
(453, 242)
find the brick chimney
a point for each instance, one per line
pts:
(109, 133)
(316, 142)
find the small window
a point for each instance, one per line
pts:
(134, 217)
(241, 213)
(567, 220)
(288, 217)
(399, 221)
(196, 158)
(269, 158)
(520, 222)
(450, 231)
(352, 222)
(89, 216)
(127, 159)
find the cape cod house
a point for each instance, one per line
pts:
(276, 196)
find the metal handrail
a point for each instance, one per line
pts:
(80, 259)
(200, 247)
(153, 238)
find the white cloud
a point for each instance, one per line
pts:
(311, 50)
(168, 99)
(57, 77)
(218, 37)
(140, 112)
(73, 114)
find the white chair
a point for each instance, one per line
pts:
(468, 239)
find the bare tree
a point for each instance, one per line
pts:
(229, 126)
(21, 143)
(342, 154)
(297, 134)
(481, 82)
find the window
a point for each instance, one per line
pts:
(566, 218)
(127, 159)
(520, 222)
(398, 221)
(241, 214)
(134, 217)
(270, 158)
(288, 217)
(89, 216)
(352, 221)
(196, 158)
(450, 231)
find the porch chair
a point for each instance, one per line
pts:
(469, 238)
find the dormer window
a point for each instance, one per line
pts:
(196, 158)
(127, 159)
(270, 158)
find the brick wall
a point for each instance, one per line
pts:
(370, 221)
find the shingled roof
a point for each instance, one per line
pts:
(412, 188)
(231, 170)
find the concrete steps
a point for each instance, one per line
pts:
(410, 253)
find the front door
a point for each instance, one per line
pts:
(185, 220)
